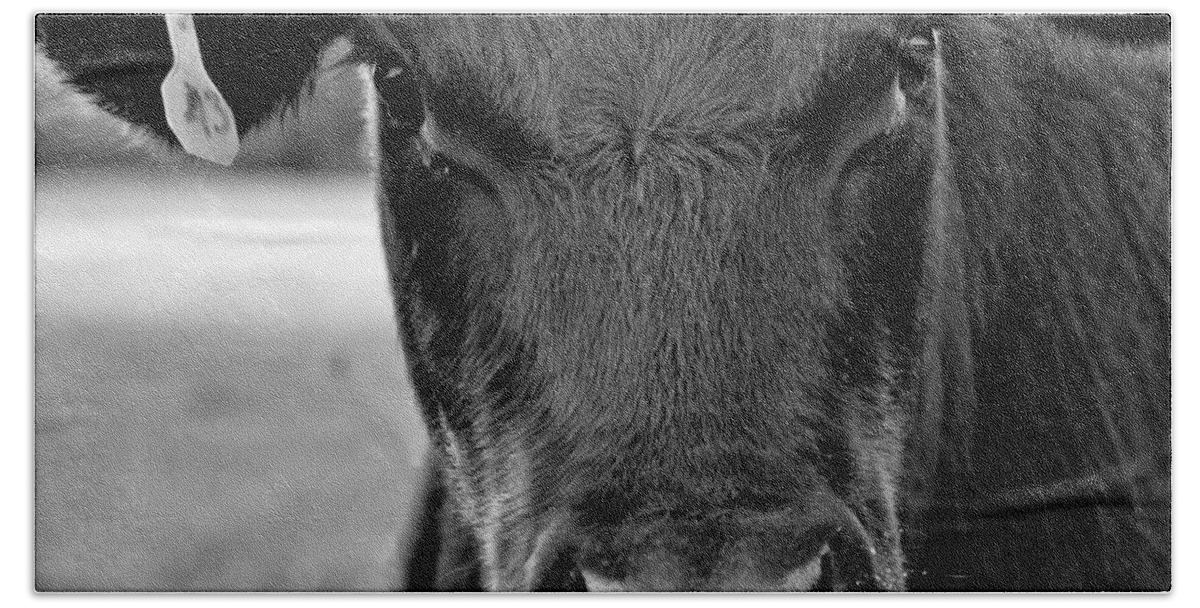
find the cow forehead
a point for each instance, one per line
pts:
(565, 78)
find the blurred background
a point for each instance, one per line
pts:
(220, 397)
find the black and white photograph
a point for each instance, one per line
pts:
(610, 302)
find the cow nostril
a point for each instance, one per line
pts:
(846, 566)
(829, 579)
(562, 575)
(810, 575)
(603, 571)
(603, 562)
(576, 581)
(595, 581)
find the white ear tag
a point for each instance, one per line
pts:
(196, 111)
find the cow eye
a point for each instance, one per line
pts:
(446, 171)
(400, 99)
(440, 167)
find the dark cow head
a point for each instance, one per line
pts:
(627, 253)
(688, 300)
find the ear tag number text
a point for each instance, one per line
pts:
(196, 111)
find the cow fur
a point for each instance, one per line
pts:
(685, 297)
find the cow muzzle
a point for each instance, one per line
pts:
(826, 550)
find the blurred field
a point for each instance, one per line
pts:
(220, 401)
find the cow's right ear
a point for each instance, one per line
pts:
(259, 63)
